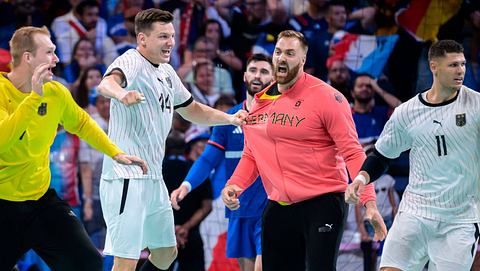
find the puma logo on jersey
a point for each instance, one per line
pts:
(437, 122)
(326, 228)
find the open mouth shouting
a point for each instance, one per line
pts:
(282, 69)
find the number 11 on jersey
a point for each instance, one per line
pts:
(441, 145)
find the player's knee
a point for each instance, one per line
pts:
(164, 257)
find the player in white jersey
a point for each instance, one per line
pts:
(438, 215)
(145, 91)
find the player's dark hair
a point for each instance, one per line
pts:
(443, 47)
(145, 19)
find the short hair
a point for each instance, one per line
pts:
(202, 39)
(363, 74)
(203, 29)
(334, 3)
(259, 57)
(22, 41)
(80, 8)
(175, 143)
(294, 34)
(442, 47)
(225, 99)
(146, 18)
(203, 63)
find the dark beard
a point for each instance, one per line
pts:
(363, 100)
(291, 74)
(251, 91)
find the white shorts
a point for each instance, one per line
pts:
(412, 241)
(138, 214)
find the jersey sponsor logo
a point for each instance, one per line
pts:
(42, 109)
(283, 119)
(460, 119)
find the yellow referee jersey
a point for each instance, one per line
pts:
(28, 125)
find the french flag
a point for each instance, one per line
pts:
(363, 53)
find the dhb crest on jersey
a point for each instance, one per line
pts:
(460, 119)
(42, 109)
(169, 82)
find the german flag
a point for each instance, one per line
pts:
(423, 18)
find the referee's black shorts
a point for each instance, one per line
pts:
(305, 235)
(48, 226)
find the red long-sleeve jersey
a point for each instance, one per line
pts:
(301, 143)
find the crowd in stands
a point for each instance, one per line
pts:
(373, 51)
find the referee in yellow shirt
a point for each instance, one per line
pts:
(32, 106)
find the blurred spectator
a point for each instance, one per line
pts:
(474, 18)
(83, 23)
(202, 88)
(83, 56)
(51, 9)
(204, 49)
(91, 161)
(189, 16)
(86, 92)
(224, 103)
(339, 78)
(180, 124)
(22, 13)
(63, 167)
(363, 18)
(194, 208)
(123, 33)
(252, 22)
(370, 118)
(249, 19)
(5, 60)
(121, 23)
(319, 24)
(224, 56)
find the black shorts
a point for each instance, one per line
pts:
(49, 227)
(304, 235)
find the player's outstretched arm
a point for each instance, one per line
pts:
(111, 87)
(205, 115)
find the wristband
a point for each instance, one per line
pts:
(187, 185)
(361, 178)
